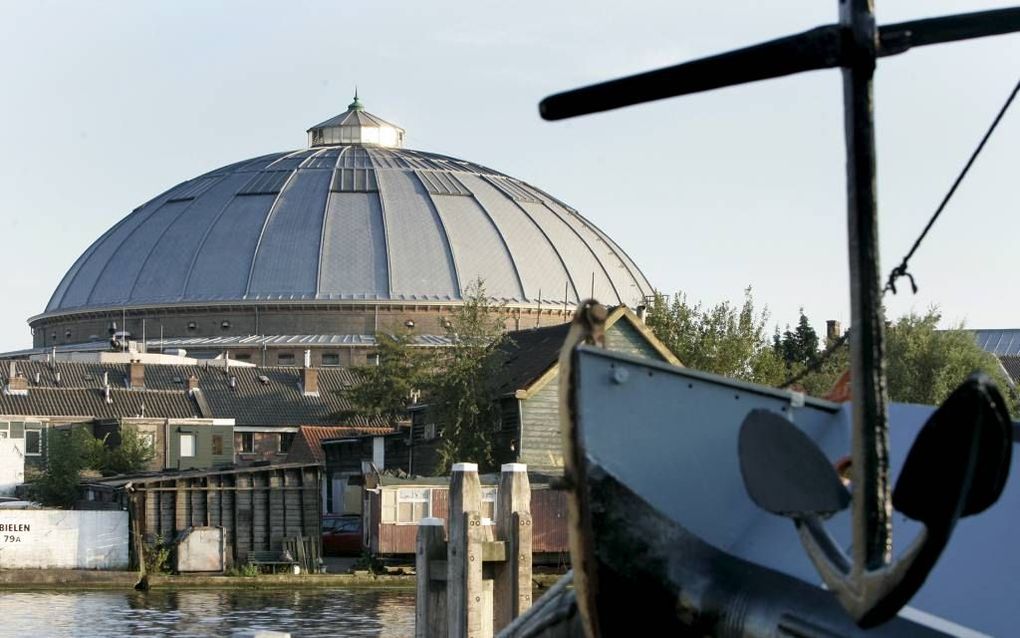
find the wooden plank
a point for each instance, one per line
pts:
(430, 615)
(494, 551)
(512, 578)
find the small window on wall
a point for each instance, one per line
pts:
(285, 359)
(284, 442)
(217, 444)
(413, 504)
(187, 445)
(149, 440)
(247, 442)
(429, 431)
(330, 359)
(244, 356)
(33, 443)
(489, 503)
(4, 429)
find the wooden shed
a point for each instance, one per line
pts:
(257, 507)
(393, 507)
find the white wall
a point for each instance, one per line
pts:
(63, 539)
(12, 465)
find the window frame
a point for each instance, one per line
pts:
(194, 445)
(245, 437)
(39, 441)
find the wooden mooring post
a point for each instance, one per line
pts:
(485, 580)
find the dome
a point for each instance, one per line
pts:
(354, 217)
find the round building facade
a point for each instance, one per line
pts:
(322, 247)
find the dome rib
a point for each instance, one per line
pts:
(162, 201)
(385, 226)
(503, 241)
(552, 244)
(205, 236)
(325, 215)
(157, 242)
(265, 224)
(584, 241)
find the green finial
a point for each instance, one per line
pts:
(356, 105)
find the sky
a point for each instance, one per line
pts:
(103, 105)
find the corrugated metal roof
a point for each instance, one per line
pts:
(231, 341)
(353, 223)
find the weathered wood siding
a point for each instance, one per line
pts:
(541, 446)
(548, 513)
(256, 508)
(624, 337)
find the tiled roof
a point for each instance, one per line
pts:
(265, 396)
(1011, 364)
(307, 446)
(528, 354)
(90, 402)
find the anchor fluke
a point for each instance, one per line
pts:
(784, 471)
(959, 462)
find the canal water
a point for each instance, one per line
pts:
(309, 613)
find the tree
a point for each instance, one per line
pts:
(723, 339)
(69, 451)
(384, 390)
(73, 450)
(799, 346)
(924, 364)
(458, 389)
(133, 454)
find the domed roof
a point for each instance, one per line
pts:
(359, 219)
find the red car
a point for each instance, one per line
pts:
(341, 535)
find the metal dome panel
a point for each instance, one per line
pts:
(349, 222)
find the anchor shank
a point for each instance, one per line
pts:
(871, 498)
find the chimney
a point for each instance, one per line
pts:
(833, 331)
(106, 378)
(16, 384)
(56, 377)
(309, 377)
(136, 375)
(642, 312)
(107, 396)
(233, 382)
(38, 378)
(192, 382)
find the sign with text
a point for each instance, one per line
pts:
(66, 539)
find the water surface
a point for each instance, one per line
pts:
(308, 613)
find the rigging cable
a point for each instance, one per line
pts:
(901, 269)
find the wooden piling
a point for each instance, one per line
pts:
(512, 577)
(430, 616)
(457, 599)
(464, 562)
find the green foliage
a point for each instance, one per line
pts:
(724, 339)
(69, 452)
(799, 346)
(458, 394)
(132, 455)
(453, 380)
(385, 388)
(157, 556)
(247, 570)
(925, 365)
(73, 450)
